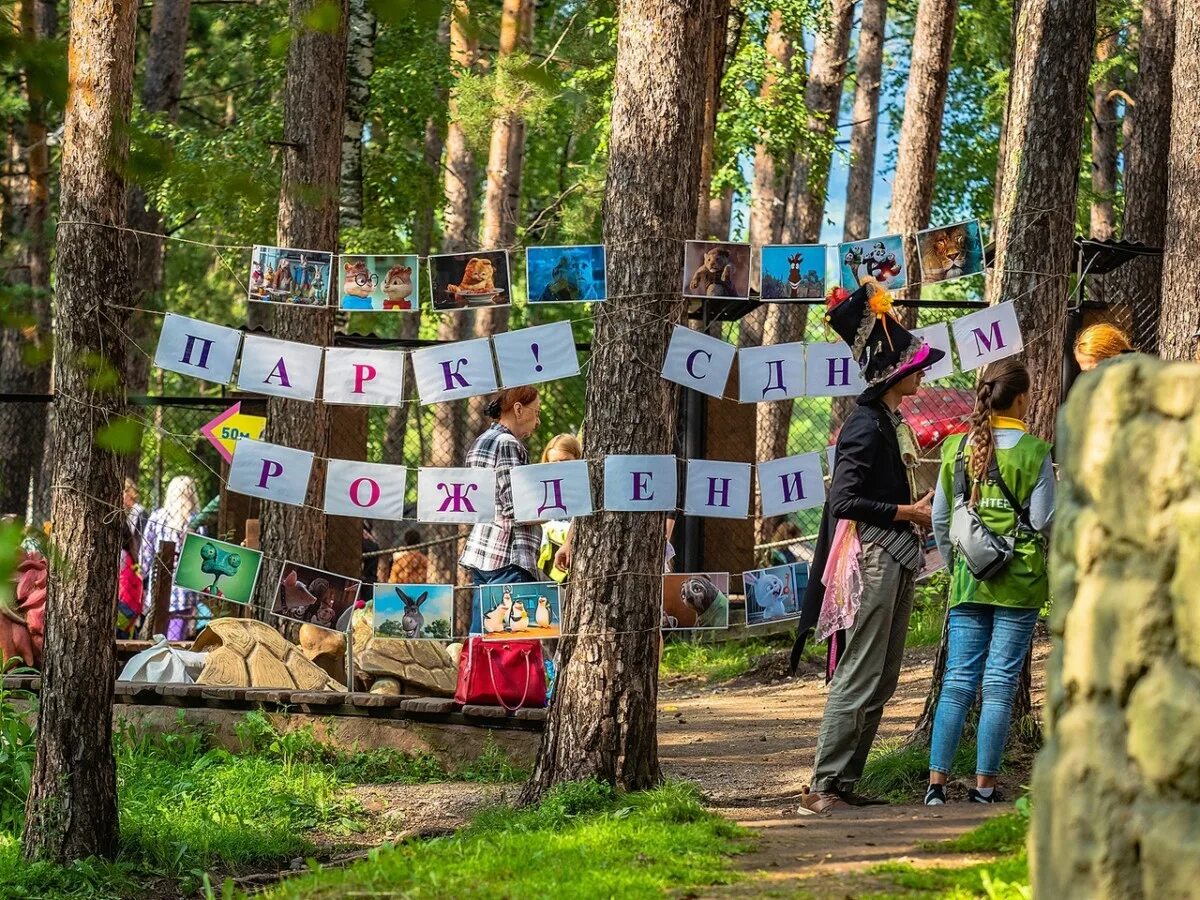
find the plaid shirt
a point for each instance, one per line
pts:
(504, 542)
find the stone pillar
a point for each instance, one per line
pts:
(1116, 788)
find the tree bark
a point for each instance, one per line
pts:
(71, 811)
(360, 63)
(602, 720)
(921, 135)
(1104, 146)
(1040, 176)
(1146, 156)
(434, 144)
(308, 217)
(714, 71)
(162, 82)
(25, 339)
(1180, 318)
(860, 184)
(807, 193)
(448, 435)
(500, 212)
(769, 189)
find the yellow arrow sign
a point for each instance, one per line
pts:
(230, 426)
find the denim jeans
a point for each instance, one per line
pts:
(510, 574)
(987, 643)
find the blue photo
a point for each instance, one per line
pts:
(566, 274)
(774, 594)
(527, 611)
(878, 258)
(792, 272)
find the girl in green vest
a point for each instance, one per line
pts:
(991, 622)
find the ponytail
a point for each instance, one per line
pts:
(999, 387)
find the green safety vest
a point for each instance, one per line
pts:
(1023, 583)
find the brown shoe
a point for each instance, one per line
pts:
(822, 803)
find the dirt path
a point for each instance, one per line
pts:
(750, 743)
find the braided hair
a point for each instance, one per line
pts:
(999, 386)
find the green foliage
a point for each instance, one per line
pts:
(18, 744)
(719, 662)
(1004, 879)
(1004, 833)
(899, 773)
(929, 612)
(581, 841)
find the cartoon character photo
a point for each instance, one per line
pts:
(413, 611)
(287, 275)
(462, 280)
(696, 600)
(792, 272)
(526, 611)
(217, 569)
(373, 283)
(774, 594)
(715, 269)
(874, 259)
(566, 274)
(313, 596)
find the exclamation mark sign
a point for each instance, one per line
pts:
(536, 359)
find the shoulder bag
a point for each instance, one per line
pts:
(986, 553)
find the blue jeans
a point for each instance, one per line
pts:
(510, 574)
(987, 643)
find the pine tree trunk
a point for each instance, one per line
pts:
(1104, 147)
(807, 192)
(720, 213)
(860, 184)
(360, 63)
(448, 436)
(769, 188)
(714, 69)
(499, 217)
(921, 135)
(1146, 154)
(162, 83)
(602, 721)
(1040, 175)
(1180, 319)
(25, 341)
(308, 217)
(434, 144)
(71, 811)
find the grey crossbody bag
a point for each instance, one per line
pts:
(986, 553)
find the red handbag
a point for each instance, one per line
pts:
(511, 674)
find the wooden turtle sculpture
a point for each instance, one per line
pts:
(252, 654)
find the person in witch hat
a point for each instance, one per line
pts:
(860, 588)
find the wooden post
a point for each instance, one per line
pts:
(164, 571)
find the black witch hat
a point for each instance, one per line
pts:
(886, 351)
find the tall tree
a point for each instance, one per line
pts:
(1105, 123)
(461, 177)
(601, 723)
(921, 133)
(25, 338)
(1146, 156)
(769, 190)
(714, 70)
(1180, 318)
(71, 811)
(162, 83)
(864, 117)
(1039, 177)
(500, 206)
(360, 64)
(805, 211)
(308, 217)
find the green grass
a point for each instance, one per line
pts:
(1004, 833)
(929, 612)
(727, 660)
(188, 808)
(581, 841)
(899, 774)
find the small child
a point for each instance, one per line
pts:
(130, 591)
